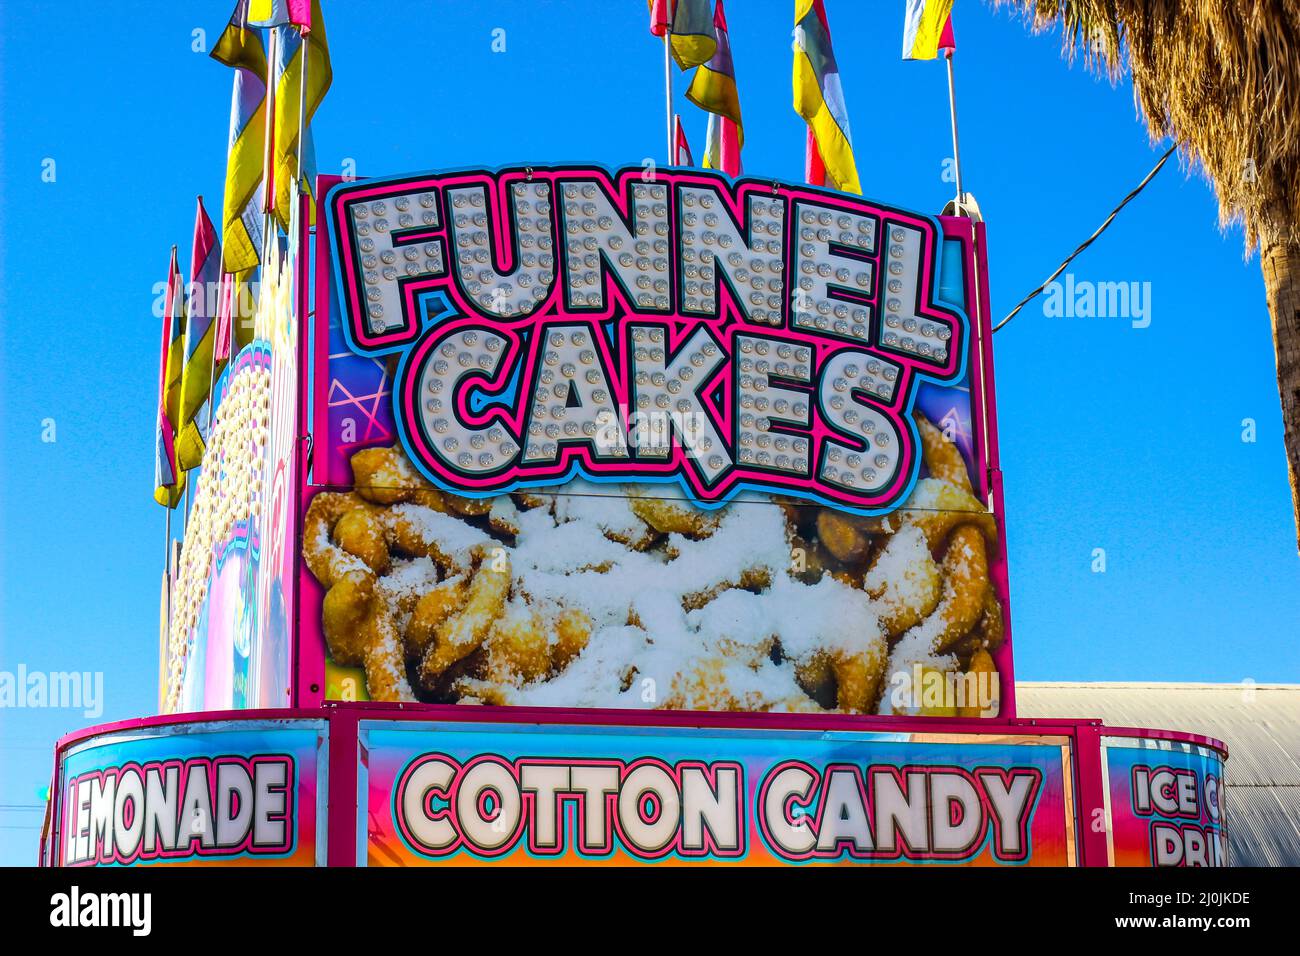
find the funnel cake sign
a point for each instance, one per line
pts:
(666, 327)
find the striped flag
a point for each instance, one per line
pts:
(280, 13)
(924, 28)
(819, 99)
(168, 480)
(288, 84)
(200, 333)
(241, 211)
(691, 26)
(721, 147)
(714, 89)
(681, 148)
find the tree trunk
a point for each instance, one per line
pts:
(1280, 260)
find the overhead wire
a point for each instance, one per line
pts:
(1090, 240)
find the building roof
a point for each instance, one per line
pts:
(1260, 723)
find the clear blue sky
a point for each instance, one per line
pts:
(1113, 437)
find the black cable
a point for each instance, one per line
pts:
(1089, 241)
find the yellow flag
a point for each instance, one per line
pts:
(240, 47)
(288, 100)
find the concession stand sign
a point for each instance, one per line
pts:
(593, 439)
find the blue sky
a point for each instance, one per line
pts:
(1113, 437)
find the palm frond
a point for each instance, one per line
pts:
(1221, 77)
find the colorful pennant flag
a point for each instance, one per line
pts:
(819, 99)
(691, 26)
(660, 16)
(288, 84)
(280, 13)
(946, 40)
(923, 28)
(714, 89)
(241, 48)
(681, 148)
(169, 480)
(200, 333)
(721, 147)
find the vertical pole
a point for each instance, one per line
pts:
(302, 147)
(165, 692)
(956, 143)
(212, 384)
(302, 109)
(991, 493)
(214, 322)
(184, 292)
(268, 151)
(668, 90)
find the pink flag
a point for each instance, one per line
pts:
(169, 481)
(280, 13)
(205, 270)
(661, 15)
(680, 146)
(814, 170)
(946, 41)
(300, 14)
(730, 147)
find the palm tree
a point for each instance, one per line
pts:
(1222, 79)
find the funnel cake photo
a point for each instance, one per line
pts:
(598, 595)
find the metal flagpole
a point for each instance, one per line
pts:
(215, 325)
(959, 209)
(260, 521)
(956, 143)
(302, 109)
(184, 335)
(212, 383)
(302, 144)
(668, 89)
(268, 153)
(268, 225)
(167, 574)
